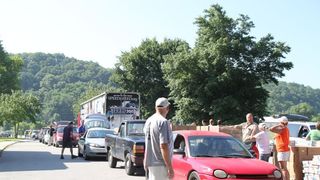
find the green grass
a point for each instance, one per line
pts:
(8, 139)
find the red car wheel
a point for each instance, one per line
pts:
(194, 176)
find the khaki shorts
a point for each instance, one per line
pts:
(158, 173)
(283, 156)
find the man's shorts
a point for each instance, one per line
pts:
(283, 156)
(158, 173)
(66, 144)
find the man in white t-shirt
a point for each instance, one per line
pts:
(262, 140)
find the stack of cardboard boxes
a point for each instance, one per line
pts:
(297, 156)
(311, 169)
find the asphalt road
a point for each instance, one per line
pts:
(32, 160)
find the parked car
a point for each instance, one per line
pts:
(42, 133)
(211, 155)
(92, 144)
(58, 136)
(34, 134)
(27, 133)
(127, 145)
(46, 137)
(5, 134)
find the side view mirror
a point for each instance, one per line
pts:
(179, 151)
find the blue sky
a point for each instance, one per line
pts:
(99, 30)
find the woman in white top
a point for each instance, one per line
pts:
(262, 140)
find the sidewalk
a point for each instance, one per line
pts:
(6, 144)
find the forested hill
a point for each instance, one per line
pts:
(59, 80)
(293, 98)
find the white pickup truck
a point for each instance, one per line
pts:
(298, 129)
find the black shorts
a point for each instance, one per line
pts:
(66, 144)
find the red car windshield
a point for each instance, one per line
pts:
(214, 146)
(60, 129)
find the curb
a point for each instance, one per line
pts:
(1, 150)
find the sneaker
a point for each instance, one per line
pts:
(61, 157)
(72, 157)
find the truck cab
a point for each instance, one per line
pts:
(127, 145)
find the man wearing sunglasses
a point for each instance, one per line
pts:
(282, 145)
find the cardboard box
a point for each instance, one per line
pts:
(175, 127)
(302, 156)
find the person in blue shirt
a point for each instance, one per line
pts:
(81, 129)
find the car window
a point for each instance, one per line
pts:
(294, 129)
(213, 146)
(179, 142)
(97, 123)
(135, 128)
(98, 133)
(60, 129)
(303, 132)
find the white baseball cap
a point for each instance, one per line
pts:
(262, 125)
(162, 102)
(283, 119)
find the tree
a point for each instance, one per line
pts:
(303, 109)
(316, 118)
(285, 95)
(59, 81)
(140, 70)
(9, 71)
(225, 71)
(18, 107)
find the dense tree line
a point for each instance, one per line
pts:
(59, 81)
(293, 98)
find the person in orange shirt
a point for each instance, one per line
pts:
(282, 145)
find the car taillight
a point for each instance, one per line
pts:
(138, 149)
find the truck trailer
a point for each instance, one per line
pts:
(117, 107)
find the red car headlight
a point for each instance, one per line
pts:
(277, 174)
(221, 174)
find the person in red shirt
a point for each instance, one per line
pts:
(282, 145)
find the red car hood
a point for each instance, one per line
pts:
(232, 165)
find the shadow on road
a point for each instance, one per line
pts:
(34, 161)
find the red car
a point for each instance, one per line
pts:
(58, 136)
(209, 155)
